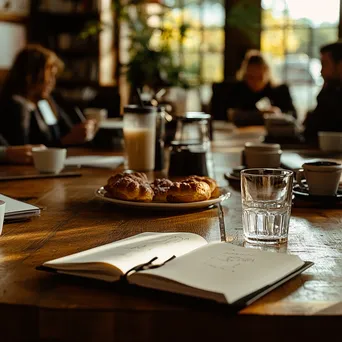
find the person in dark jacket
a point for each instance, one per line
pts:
(28, 114)
(254, 93)
(327, 116)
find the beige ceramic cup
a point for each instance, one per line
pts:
(260, 155)
(49, 160)
(322, 177)
(330, 141)
(97, 114)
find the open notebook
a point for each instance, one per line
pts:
(17, 210)
(185, 263)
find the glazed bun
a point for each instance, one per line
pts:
(161, 188)
(190, 191)
(211, 182)
(135, 187)
(130, 187)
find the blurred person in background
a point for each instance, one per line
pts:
(327, 116)
(28, 114)
(255, 94)
(16, 154)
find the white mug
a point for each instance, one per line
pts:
(49, 160)
(322, 177)
(97, 114)
(2, 214)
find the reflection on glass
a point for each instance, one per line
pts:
(213, 14)
(316, 12)
(203, 23)
(213, 40)
(192, 15)
(212, 67)
(300, 12)
(192, 40)
(273, 12)
(273, 43)
(192, 67)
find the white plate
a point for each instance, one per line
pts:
(225, 194)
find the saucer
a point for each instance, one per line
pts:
(231, 177)
(234, 173)
(303, 193)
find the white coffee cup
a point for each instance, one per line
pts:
(49, 160)
(256, 155)
(330, 141)
(322, 177)
(97, 114)
(2, 214)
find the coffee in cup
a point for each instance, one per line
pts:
(256, 155)
(322, 177)
(49, 160)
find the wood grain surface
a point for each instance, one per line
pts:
(36, 305)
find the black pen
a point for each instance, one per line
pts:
(79, 114)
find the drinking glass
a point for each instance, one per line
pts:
(266, 205)
(194, 127)
(139, 128)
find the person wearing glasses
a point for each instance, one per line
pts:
(28, 113)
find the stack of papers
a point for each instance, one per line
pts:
(95, 161)
(17, 210)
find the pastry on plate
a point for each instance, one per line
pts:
(161, 187)
(215, 191)
(189, 191)
(130, 187)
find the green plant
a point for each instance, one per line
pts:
(152, 63)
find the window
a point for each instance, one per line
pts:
(200, 51)
(292, 33)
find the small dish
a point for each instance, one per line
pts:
(234, 173)
(303, 193)
(232, 177)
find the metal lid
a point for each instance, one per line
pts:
(185, 143)
(193, 116)
(135, 109)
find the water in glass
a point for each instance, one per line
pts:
(266, 222)
(266, 205)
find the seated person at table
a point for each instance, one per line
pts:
(16, 154)
(327, 116)
(28, 114)
(254, 94)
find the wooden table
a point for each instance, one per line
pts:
(35, 305)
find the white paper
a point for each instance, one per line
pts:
(263, 104)
(95, 161)
(17, 209)
(228, 269)
(2, 214)
(128, 253)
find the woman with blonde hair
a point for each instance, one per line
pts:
(28, 114)
(254, 93)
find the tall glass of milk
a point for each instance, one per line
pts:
(139, 128)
